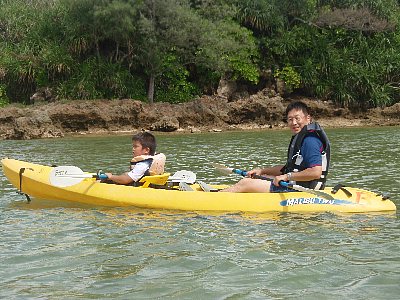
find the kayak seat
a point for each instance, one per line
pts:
(146, 181)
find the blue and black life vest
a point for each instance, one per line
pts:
(295, 161)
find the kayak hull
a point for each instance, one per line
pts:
(35, 182)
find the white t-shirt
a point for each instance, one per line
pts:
(138, 170)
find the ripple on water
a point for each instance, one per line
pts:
(54, 250)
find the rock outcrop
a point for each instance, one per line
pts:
(212, 113)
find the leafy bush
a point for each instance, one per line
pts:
(173, 85)
(88, 49)
(289, 75)
(101, 79)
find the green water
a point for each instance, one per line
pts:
(61, 251)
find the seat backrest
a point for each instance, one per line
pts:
(154, 179)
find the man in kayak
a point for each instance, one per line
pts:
(143, 150)
(307, 159)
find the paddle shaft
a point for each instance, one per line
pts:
(78, 176)
(287, 184)
(244, 174)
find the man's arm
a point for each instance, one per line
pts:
(305, 175)
(271, 171)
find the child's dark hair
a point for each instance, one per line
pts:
(147, 140)
(298, 105)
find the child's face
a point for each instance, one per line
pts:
(137, 149)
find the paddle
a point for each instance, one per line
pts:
(227, 170)
(64, 176)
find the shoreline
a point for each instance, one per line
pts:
(205, 114)
(255, 128)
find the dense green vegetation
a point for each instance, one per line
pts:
(173, 50)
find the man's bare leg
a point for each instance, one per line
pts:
(249, 185)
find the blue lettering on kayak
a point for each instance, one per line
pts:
(300, 201)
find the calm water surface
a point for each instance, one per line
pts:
(61, 251)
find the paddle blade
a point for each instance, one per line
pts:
(183, 176)
(64, 176)
(223, 169)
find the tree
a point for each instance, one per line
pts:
(172, 27)
(116, 22)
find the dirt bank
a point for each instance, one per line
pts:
(208, 113)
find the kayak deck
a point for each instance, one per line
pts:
(33, 179)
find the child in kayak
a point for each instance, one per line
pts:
(144, 161)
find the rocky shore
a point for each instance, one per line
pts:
(208, 113)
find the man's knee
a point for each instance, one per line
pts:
(254, 185)
(246, 181)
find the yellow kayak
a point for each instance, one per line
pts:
(36, 180)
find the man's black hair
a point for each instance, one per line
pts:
(298, 105)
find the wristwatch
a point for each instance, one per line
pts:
(289, 176)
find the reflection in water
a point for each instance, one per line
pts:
(67, 250)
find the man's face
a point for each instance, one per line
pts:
(297, 120)
(137, 149)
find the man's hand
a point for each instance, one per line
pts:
(253, 172)
(280, 178)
